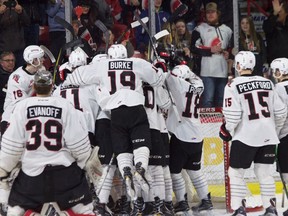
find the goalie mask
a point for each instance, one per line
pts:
(32, 53)
(117, 51)
(279, 67)
(244, 60)
(182, 72)
(77, 58)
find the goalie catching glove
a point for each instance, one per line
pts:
(224, 134)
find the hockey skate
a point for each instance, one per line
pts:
(182, 207)
(159, 208)
(102, 210)
(169, 208)
(271, 210)
(204, 206)
(140, 177)
(129, 182)
(241, 211)
(138, 206)
(3, 209)
(285, 213)
(122, 207)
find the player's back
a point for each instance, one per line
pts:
(123, 78)
(186, 97)
(84, 99)
(282, 89)
(50, 128)
(250, 107)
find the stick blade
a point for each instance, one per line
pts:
(160, 34)
(137, 23)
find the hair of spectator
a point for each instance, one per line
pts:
(6, 53)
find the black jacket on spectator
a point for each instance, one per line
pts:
(4, 76)
(277, 38)
(12, 31)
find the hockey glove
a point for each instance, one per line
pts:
(224, 133)
(63, 74)
(162, 65)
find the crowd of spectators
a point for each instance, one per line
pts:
(20, 23)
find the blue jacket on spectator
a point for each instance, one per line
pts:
(52, 11)
(142, 38)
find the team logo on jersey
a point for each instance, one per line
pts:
(16, 77)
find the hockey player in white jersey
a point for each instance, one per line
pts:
(123, 78)
(186, 138)
(253, 113)
(20, 82)
(279, 69)
(50, 138)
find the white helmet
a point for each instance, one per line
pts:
(99, 57)
(117, 51)
(77, 58)
(279, 67)
(182, 72)
(244, 60)
(33, 52)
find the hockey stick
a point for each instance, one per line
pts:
(48, 53)
(105, 31)
(131, 26)
(180, 11)
(66, 25)
(66, 46)
(158, 58)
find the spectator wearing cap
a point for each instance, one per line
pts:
(12, 22)
(7, 65)
(211, 40)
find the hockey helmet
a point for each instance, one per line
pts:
(43, 78)
(117, 51)
(182, 72)
(77, 58)
(279, 67)
(33, 52)
(244, 60)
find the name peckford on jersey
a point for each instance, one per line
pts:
(253, 85)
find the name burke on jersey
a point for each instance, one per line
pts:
(44, 111)
(253, 85)
(120, 65)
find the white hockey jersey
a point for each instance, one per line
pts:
(84, 99)
(121, 77)
(282, 90)
(253, 111)
(19, 86)
(155, 98)
(186, 96)
(44, 131)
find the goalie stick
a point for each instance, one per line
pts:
(105, 31)
(66, 25)
(158, 58)
(131, 26)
